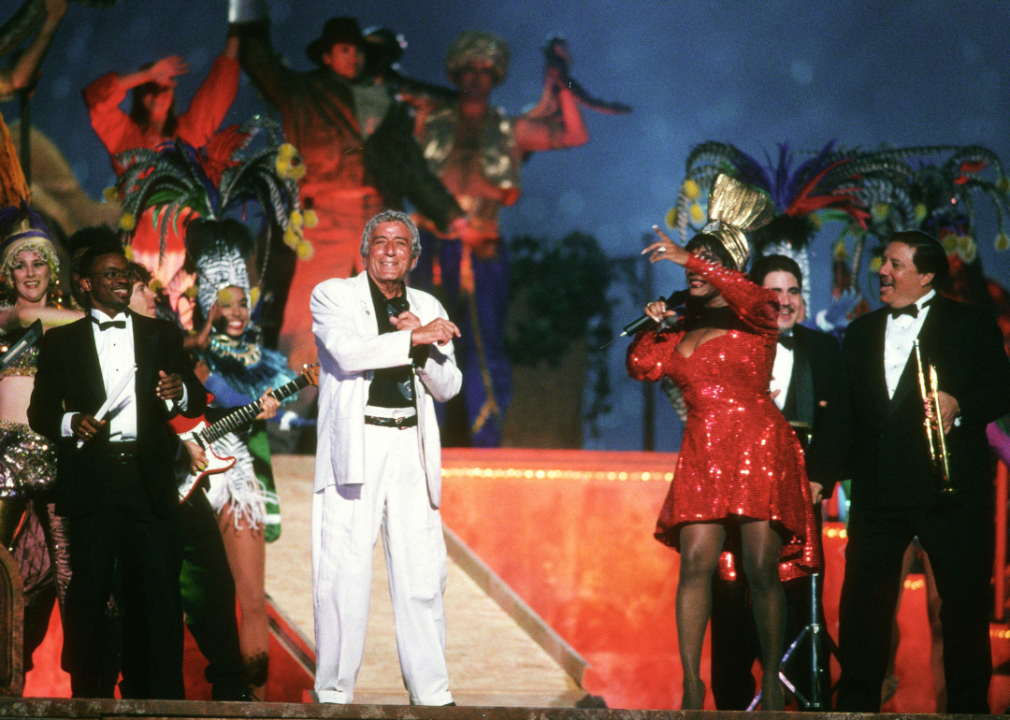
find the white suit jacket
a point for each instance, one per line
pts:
(350, 350)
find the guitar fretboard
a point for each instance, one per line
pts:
(238, 418)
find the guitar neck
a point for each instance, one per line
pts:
(237, 418)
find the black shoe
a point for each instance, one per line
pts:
(241, 693)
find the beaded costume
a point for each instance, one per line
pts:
(27, 470)
(24, 364)
(27, 460)
(739, 457)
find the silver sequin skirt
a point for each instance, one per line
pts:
(27, 460)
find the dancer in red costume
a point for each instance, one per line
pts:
(740, 471)
(152, 121)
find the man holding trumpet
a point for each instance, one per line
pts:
(899, 488)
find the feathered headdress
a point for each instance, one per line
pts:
(874, 192)
(237, 166)
(733, 210)
(219, 249)
(831, 184)
(835, 183)
(21, 228)
(945, 193)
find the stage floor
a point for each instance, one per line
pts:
(570, 532)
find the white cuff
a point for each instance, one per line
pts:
(182, 403)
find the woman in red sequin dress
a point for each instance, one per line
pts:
(740, 472)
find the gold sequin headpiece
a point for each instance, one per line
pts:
(735, 209)
(481, 49)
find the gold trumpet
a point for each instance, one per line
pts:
(934, 426)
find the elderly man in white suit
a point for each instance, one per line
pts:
(386, 354)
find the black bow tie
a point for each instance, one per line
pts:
(787, 341)
(121, 324)
(910, 310)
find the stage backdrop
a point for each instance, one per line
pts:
(752, 74)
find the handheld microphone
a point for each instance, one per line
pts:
(675, 299)
(397, 305)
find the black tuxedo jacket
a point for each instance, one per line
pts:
(819, 377)
(69, 379)
(890, 463)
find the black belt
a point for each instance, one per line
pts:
(125, 450)
(402, 423)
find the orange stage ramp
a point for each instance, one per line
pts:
(571, 533)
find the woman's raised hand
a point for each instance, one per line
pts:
(165, 69)
(666, 249)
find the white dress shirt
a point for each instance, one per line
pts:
(901, 332)
(782, 373)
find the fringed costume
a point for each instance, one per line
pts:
(247, 369)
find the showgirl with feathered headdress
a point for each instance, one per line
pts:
(740, 463)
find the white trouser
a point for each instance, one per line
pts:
(345, 526)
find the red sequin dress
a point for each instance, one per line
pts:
(739, 456)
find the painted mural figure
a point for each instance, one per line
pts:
(24, 72)
(359, 153)
(151, 121)
(478, 152)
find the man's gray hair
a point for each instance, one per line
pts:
(392, 216)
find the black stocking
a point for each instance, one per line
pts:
(700, 547)
(762, 546)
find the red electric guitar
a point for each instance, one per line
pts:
(203, 434)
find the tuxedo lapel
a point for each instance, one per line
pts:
(876, 379)
(90, 366)
(145, 348)
(929, 335)
(801, 386)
